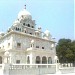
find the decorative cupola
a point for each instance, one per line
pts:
(1, 34)
(39, 29)
(56, 59)
(38, 32)
(47, 35)
(17, 22)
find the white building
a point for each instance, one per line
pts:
(24, 44)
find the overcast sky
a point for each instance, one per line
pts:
(55, 15)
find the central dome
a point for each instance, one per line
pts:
(25, 14)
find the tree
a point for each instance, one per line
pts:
(73, 50)
(65, 50)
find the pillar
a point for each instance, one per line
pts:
(6, 64)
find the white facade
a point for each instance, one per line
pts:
(24, 44)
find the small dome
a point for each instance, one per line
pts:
(39, 27)
(47, 33)
(6, 53)
(25, 14)
(56, 58)
(32, 41)
(16, 22)
(2, 33)
(37, 31)
(52, 45)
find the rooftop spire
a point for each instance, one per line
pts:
(24, 6)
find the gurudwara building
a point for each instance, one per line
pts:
(24, 44)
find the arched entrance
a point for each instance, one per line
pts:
(28, 60)
(0, 60)
(38, 60)
(49, 60)
(44, 60)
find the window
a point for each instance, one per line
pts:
(17, 61)
(37, 46)
(42, 47)
(28, 60)
(38, 60)
(31, 33)
(44, 60)
(16, 28)
(57, 61)
(18, 45)
(31, 45)
(49, 60)
(28, 25)
(0, 59)
(35, 33)
(24, 24)
(20, 29)
(3, 47)
(25, 31)
(8, 44)
(32, 26)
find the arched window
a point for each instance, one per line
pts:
(28, 25)
(25, 31)
(44, 60)
(37, 59)
(31, 45)
(20, 29)
(16, 28)
(24, 24)
(0, 60)
(49, 60)
(32, 26)
(28, 60)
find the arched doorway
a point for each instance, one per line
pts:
(49, 60)
(44, 60)
(38, 60)
(28, 60)
(0, 60)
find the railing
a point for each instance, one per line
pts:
(66, 65)
(25, 66)
(32, 69)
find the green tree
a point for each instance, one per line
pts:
(63, 50)
(73, 50)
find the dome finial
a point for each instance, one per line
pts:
(25, 6)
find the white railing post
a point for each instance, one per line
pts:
(5, 68)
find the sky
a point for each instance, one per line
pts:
(57, 16)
